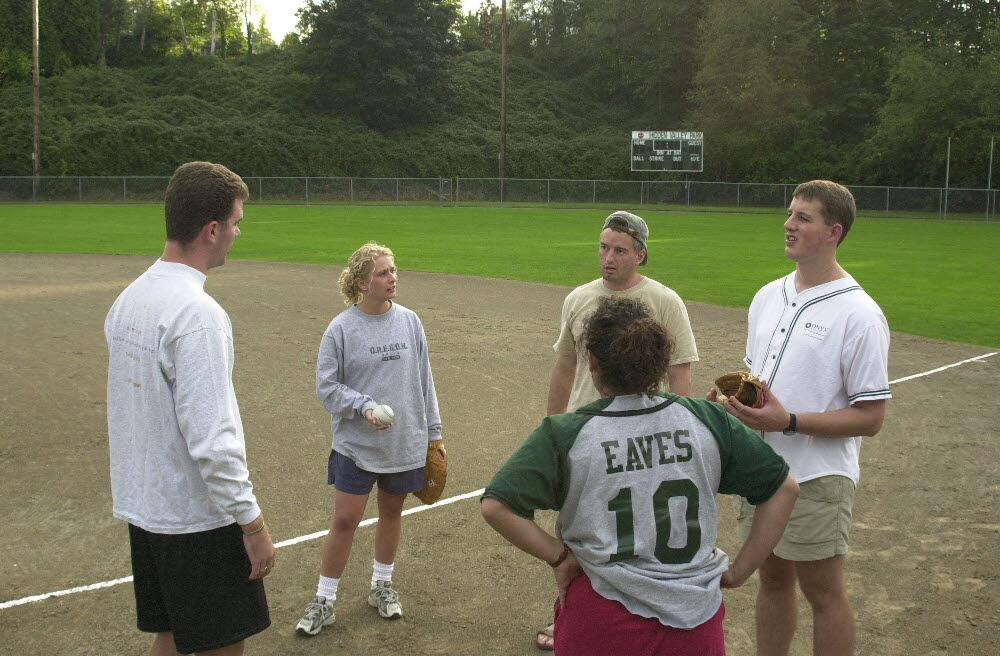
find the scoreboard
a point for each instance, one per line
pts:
(654, 150)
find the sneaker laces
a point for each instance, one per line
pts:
(386, 594)
(314, 610)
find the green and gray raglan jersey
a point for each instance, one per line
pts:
(634, 480)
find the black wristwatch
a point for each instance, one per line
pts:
(791, 425)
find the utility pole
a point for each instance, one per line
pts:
(947, 172)
(503, 92)
(36, 106)
(989, 183)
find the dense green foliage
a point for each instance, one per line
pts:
(256, 118)
(384, 61)
(863, 91)
(923, 282)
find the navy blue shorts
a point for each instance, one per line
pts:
(197, 586)
(345, 475)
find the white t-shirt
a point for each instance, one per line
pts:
(819, 350)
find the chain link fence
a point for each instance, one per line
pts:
(889, 202)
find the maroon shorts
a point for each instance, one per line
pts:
(592, 625)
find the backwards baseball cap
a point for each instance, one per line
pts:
(631, 225)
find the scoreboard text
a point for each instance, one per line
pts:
(667, 151)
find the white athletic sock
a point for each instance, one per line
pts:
(381, 572)
(327, 588)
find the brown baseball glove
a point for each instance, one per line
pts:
(743, 385)
(435, 473)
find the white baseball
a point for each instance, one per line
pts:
(383, 415)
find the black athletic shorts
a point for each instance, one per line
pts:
(197, 586)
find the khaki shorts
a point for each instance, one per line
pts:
(820, 521)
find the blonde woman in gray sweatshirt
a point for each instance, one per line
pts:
(373, 352)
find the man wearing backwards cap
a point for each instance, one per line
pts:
(622, 252)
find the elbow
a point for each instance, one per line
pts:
(791, 487)
(873, 426)
(492, 511)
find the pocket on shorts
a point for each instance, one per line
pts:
(817, 514)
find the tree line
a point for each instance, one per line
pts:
(867, 91)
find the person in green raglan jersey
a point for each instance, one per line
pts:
(634, 477)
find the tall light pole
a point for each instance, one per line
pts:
(503, 94)
(36, 104)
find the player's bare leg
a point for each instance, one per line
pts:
(389, 527)
(777, 607)
(163, 645)
(347, 514)
(822, 582)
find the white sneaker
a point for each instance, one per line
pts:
(383, 597)
(318, 614)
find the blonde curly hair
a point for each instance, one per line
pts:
(360, 265)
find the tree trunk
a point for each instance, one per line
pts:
(184, 37)
(214, 16)
(142, 35)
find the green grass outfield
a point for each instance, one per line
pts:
(931, 278)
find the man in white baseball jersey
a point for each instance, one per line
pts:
(822, 345)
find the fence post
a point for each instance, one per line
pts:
(593, 198)
(887, 202)
(737, 195)
(457, 181)
(307, 190)
(397, 190)
(260, 189)
(501, 192)
(79, 181)
(124, 190)
(548, 193)
(687, 189)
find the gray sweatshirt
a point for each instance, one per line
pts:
(178, 457)
(368, 359)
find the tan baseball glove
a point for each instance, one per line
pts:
(743, 385)
(435, 473)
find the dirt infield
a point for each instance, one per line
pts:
(922, 570)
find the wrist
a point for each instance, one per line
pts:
(253, 528)
(792, 424)
(562, 556)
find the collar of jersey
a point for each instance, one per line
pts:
(598, 412)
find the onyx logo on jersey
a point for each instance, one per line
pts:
(647, 451)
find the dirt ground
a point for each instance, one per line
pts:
(922, 571)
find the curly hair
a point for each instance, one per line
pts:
(360, 265)
(632, 348)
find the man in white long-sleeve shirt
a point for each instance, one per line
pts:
(179, 474)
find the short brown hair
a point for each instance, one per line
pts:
(838, 202)
(199, 193)
(632, 349)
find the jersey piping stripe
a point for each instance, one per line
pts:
(798, 314)
(784, 295)
(629, 413)
(864, 395)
